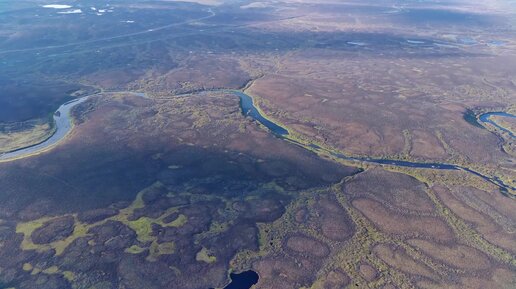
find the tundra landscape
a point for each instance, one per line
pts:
(276, 144)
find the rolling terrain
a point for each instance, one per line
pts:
(315, 144)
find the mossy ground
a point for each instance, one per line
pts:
(204, 256)
(367, 236)
(347, 256)
(141, 226)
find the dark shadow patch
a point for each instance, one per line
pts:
(471, 118)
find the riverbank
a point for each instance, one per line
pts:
(64, 125)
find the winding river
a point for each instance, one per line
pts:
(486, 118)
(249, 109)
(64, 124)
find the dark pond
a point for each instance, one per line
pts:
(242, 280)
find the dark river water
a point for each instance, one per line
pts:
(64, 124)
(249, 109)
(486, 118)
(245, 280)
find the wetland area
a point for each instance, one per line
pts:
(257, 144)
(64, 122)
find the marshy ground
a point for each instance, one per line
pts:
(178, 189)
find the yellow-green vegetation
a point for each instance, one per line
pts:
(467, 234)
(27, 267)
(204, 256)
(79, 230)
(141, 226)
(51, 270)
(179, 222)
(201, 118)
(59, 246)
(69, 275)
(166, 248)
(454, 155)
(360, 246)
(34, 134)
(464, 232)
(27, 228)
(134, 249)
(470, 236)
(216, 227)
(367, 236)
(407, 138)
(346, 258)
(157, 249)
(273, 186)
(503, 122)
(326, 150)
